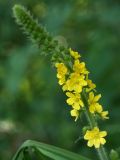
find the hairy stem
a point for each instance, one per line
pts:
(92, 122)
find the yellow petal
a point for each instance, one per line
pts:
(69, 94)
(102, 141)
(76, 106)
(87, 135)
(103, 134)
(104, 115)
(97, 143)
(98, 108)
(90, 143)
(74, 113)
(81, 103)
(61, 81)
(92, 108)
(78, 88)
(96, 129)
(96, 98)
(65, 87)
(70, 101)
(74, 54)
(91, 96)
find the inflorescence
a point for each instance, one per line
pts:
(75, 81)
(72, 75)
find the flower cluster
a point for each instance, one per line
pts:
(73, 83)
(74, 79)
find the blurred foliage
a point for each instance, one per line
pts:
(32, 105)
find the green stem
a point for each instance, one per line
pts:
(101, 151)
(92, 122)
(100, 154)
(104, 152)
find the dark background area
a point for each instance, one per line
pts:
(32, 104)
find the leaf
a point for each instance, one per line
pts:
(114, 155)
(26, 154)
(50, 151)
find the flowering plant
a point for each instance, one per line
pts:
(82, 96)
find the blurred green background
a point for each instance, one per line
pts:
(32, 104)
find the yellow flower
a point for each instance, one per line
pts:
(75, 83)
(91, 85)
(93, 99)
(74, 113)
(96, 107)
(61, 72)
(104, 115)
(95, 137)
(74, 100)
(79, 67)
(74, 54)
(93, 105)
(61, 80)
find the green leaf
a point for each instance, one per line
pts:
(26, 155)
(114, 155)
(50, 151)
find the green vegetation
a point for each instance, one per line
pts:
(28, 87)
